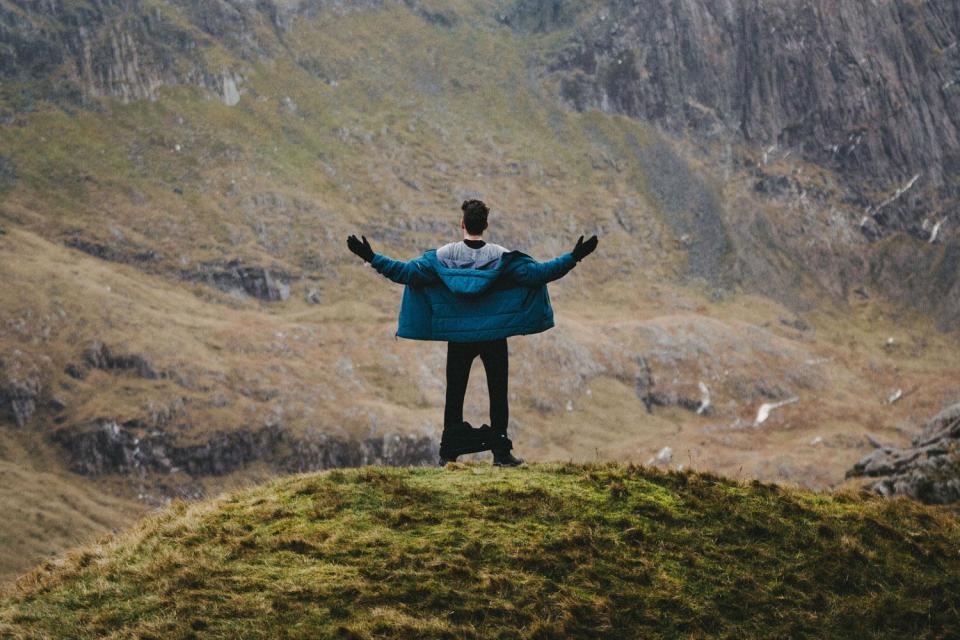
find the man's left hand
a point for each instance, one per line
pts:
(362, 249)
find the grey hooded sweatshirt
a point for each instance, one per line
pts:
(460, 255)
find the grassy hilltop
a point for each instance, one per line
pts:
(473, 551)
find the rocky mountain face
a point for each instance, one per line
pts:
(870, 90)
(115, 49)
(128, 50)
(927, 470)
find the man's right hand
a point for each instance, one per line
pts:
(583, 249)
(362, 249)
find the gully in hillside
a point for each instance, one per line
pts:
(474, 295)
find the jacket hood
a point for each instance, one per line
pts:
(468, 283)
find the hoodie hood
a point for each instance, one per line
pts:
(468, 283)
(460, 255)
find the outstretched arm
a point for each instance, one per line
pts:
(533, 274)
(414, 272)
(537, 273)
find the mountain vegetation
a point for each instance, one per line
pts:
(472, 551)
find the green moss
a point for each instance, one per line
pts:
(542, 551)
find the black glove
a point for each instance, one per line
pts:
(362, 249)
(583, 249)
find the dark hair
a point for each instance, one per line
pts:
(475, 216)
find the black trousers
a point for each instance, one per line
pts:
(460, 355)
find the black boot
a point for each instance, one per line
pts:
(501, 450)
(463, 439)
(503, 458)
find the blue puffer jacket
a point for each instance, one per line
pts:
(467, 305)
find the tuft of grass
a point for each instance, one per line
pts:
(470, 551)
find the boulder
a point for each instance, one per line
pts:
(927, 470)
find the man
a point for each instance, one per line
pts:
(474, 295)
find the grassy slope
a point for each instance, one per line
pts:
(47, 512)
(474, 551)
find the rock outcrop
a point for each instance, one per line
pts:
(929, 470)
(124, 50)
(8, 173)
(117, 252)
(100, 356)
(21, 385)
(109, 447)
(130, 49)
(269, 285)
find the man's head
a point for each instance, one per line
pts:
(474, 220)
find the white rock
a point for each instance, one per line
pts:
(231, 94)
(665, 455)
(704, 399)
(765, 409)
